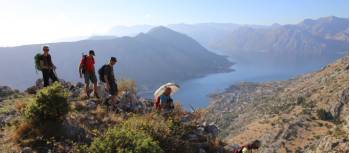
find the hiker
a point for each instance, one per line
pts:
(166, 102)
(47, 67)
(87, 68)
(162, 97)
(106, 74)
(248, 148)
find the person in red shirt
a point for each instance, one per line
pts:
(87, 68)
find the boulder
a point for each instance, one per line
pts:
(90, 104)
(231, 148)
(212, 129)
(337, 108)
(6, 91)
(79, 85)
(75, 92)
(39, 83)
(201, 150)
(129, 102)
(26, 150)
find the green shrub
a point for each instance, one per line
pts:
(300, 100)
(324, 115)
(153, 125)
(50, 104)
(121, 140)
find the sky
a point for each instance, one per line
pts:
(41, 21)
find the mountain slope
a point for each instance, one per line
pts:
(300, 48)
(150, 59)
(307, 114)
(308, 37)
(328, 27)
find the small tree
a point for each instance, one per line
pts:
(50, 104)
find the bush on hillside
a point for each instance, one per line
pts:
(50, 104)
(324, 115)
(300, 100)
(153, 125)
(122, 140)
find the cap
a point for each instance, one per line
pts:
(45, 47)
(113, 59)
(92, 52)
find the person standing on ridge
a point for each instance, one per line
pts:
(87, 69)
(106, 75)
(47, 67)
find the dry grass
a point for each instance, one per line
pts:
(178, 110)
(199, 114)
(23, 130)
(252, 131)
(126, 85)
(79, 105)
(20, 105)
(99, 113)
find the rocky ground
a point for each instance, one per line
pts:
(90, 118)
(305, 114)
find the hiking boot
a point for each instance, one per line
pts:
(89, 93)
(96, 95)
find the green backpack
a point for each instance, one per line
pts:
(37, 59)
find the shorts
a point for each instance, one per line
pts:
(113, 89)
(90, 77)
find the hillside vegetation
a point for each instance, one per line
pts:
(59, 118)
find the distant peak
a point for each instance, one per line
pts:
(276, 25)
(323, 19)
(329, 18)
(307, 21)
(161, 29)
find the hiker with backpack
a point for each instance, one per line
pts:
(44, 64)
(106, 75)
(255, 145)
(87, 69)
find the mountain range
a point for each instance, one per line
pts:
(211, 34)
(307, 45)
(323, 36)
(151, 58)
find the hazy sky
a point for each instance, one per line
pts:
(37, 21)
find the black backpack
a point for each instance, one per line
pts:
(101, 73)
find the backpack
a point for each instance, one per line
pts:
(101, 73)
(83, 70)
(37, 59)
(156, 103)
